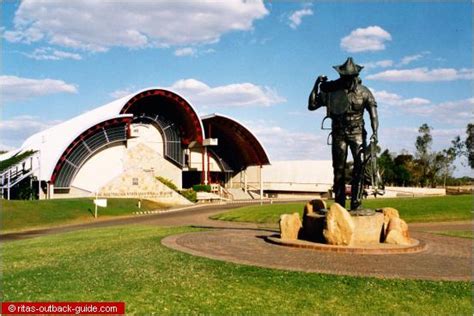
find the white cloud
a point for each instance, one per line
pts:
(297, 145)
(378, 64)
(16, 88)
(192, 52)
(48, 53)
(458, 112)
(389, 63)
(98, 25)
(120, 93)
(232, 95)
(400, 138)
(409, 59)
(388, 98)
(296, 17)
(185, 51)
(372, 38)
(14, 131)
(28, 35)
(424, 75)
(397, 138)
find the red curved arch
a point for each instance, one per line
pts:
(177, 109)
(83, 136)
(237, 145)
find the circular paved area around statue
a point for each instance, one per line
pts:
(444, 258)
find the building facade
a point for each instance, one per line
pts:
(123, 148)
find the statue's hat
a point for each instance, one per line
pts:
(349, 68)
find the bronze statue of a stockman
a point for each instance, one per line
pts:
(345, 100)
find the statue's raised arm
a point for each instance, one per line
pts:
(315, 99)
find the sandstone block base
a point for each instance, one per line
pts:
(313, 226)
(290, 226)
(397, 232)
(340, 227)
(314, 206)
(368, 229)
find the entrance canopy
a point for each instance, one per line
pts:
(238, 147)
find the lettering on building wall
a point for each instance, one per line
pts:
(142, 195)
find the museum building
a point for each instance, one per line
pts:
(122, 148)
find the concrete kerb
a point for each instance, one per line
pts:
(171, 210)
(380, 249)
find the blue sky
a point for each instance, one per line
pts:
(255, 61)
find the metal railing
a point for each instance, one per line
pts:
(17, 173)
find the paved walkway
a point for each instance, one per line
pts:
(189, 216)
(446, 258)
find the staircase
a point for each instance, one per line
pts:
(17, 172)
(239, 194)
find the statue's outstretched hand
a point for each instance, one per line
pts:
(374, 138)
(322, 78)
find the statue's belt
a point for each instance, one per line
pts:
(347, 124)
(348, 118)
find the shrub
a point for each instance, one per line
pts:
(190, 194)
(202, 188)
(168, 183)
(26, 193)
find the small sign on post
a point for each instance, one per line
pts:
(101, 203)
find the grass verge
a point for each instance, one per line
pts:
(129, 264)
(425, 209)
(456, 233)
(23, 215)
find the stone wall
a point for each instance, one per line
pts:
(140, 184)
(141, 166)
(144, 157)
(412, 192)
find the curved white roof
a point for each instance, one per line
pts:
(52, 142)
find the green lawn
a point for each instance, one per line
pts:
(22, 215)
(426, 209)
(129, 264)
(456, 233)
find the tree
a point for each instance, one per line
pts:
(435, 166)
(449, 156)
(423, 153)
(440, 168)
(423, 141)
(469, 143)
(386, 167)
(405, 170)
(426, 167)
